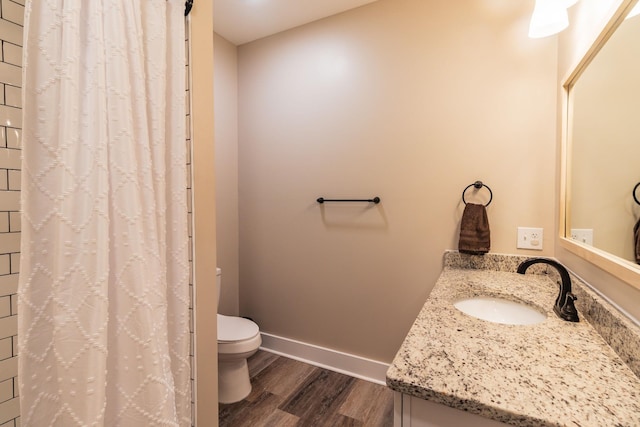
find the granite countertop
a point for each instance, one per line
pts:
(554, 373)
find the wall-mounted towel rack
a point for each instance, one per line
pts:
(478, 185)
(375, 200)
(634, 193)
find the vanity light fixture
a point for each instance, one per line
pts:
(549, 17)
(568, 3)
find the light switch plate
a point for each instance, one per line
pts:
(530, 238)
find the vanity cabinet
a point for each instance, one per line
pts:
(410, 411)
(512, 373)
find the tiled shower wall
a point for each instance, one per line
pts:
(11, 22)
(190, 220)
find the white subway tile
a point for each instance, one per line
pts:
(3, 136)
(11, 74)
(10, 116)
(15, 222)
(8, 328)
(6, 390)
(4, 180)
(5, 348)
(14, 179)
(2, 100)
(8, 369)
(8, 424)
(5, 264)
(18, 1)
(15, 261)
(5, 306)
(10, 158)
(14, 345)
(12, 53)
(13, 96)
(4, 222)
(9, 242)
(14, 138)
(13, 12)
(10, 32)
(14, 304)
(9, 410)
(8, 282)
(10, 200)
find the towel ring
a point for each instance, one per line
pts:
(478, 185)
(634, 193)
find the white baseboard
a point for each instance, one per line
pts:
(344, 363)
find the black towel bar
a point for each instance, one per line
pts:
(187, 7)
(634, 193)
(478, 185)
(375, 200)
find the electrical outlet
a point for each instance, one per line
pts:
(584, 235)
(529, 238)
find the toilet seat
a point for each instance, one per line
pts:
(233, 329)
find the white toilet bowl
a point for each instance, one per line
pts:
(238, 339)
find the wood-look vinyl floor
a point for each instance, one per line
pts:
(287, 393)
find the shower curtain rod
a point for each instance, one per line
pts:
(187, 7)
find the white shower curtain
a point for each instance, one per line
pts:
(103, 323)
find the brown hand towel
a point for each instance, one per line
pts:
(474, 230)
(636, 236)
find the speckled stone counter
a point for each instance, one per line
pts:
(554, 373)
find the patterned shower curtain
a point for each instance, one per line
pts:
(103, 296)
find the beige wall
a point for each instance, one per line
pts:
(225, 58)
(588, 18)
(204, 213)
(409, 100)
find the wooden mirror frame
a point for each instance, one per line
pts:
(616, 266)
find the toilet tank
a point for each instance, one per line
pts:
(218, 282)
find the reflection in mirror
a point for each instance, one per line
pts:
(605, 146)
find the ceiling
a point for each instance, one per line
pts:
(242, 21)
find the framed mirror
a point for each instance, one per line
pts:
(601, 147)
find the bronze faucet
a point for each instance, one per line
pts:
(563, 307)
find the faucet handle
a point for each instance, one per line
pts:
(568, 311)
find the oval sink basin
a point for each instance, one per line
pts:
(500, 310)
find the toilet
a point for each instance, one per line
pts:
(238, 339)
